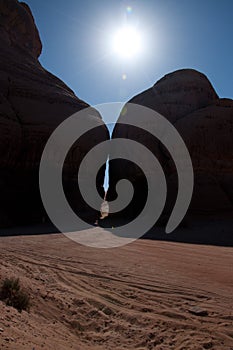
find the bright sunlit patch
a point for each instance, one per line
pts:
(124, 76)
(127, 42)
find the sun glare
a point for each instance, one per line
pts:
(127, 42)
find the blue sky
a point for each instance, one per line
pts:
(76, 37)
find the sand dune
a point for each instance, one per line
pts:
(140, 296)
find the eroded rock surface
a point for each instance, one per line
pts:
(33, 102)
(205, 122)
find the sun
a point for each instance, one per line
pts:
(127, 42)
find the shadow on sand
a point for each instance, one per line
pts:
(196, 230)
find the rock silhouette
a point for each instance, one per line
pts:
(205, 122)
(33, 102)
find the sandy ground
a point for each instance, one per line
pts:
(135, 297)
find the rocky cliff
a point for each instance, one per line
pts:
(205, 122)
(33, 102)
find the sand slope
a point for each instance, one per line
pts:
(135, 297)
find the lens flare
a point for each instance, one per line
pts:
(129, 9)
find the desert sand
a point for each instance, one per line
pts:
(141, 296)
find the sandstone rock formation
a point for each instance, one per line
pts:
(205, 122)
(33, 102)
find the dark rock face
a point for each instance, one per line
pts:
(178, 94)
(18, 29)
(208, 134)
(33, 102)
(205, 122)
